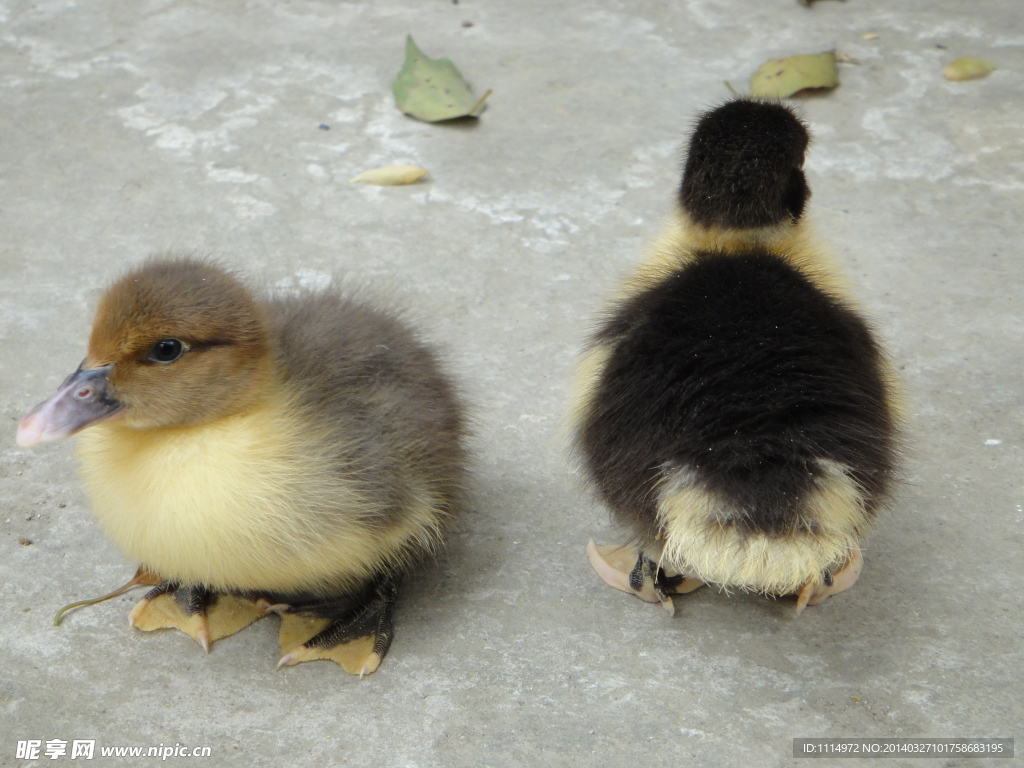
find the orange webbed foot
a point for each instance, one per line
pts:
(357, 639)
(202, 615)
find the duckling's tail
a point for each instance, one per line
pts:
(774, 538)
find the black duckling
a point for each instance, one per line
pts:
(293, 455)
(734, 409)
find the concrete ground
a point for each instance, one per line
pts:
(232, 128)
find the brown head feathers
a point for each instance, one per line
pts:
(186, 340)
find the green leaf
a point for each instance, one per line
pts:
(433, 89)
(967, 69)
(779, 78)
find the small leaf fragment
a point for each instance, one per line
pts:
(967, 69)
(433, 90)
(390, 175)
(779, 78)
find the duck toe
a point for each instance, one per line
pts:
(813, 593)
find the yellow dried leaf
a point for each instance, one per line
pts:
(967, 69)
(779, 78)
(390, 175)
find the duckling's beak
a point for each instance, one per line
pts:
(82, 399)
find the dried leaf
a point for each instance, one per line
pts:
(779, 78)
(967, 69)
(433, 89)
(390, 175)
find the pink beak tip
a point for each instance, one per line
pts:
(28, 433)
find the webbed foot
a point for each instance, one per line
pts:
(629, 570)
(357, 638)
(202, 615)
(812, 593)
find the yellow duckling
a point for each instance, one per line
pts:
(733, 409)
(293, 455)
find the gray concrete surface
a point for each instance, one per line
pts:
(128, 128)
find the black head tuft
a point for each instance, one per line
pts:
(744, 167)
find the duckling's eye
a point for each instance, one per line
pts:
(166, 351)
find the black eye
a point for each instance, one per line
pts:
(166, 351)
